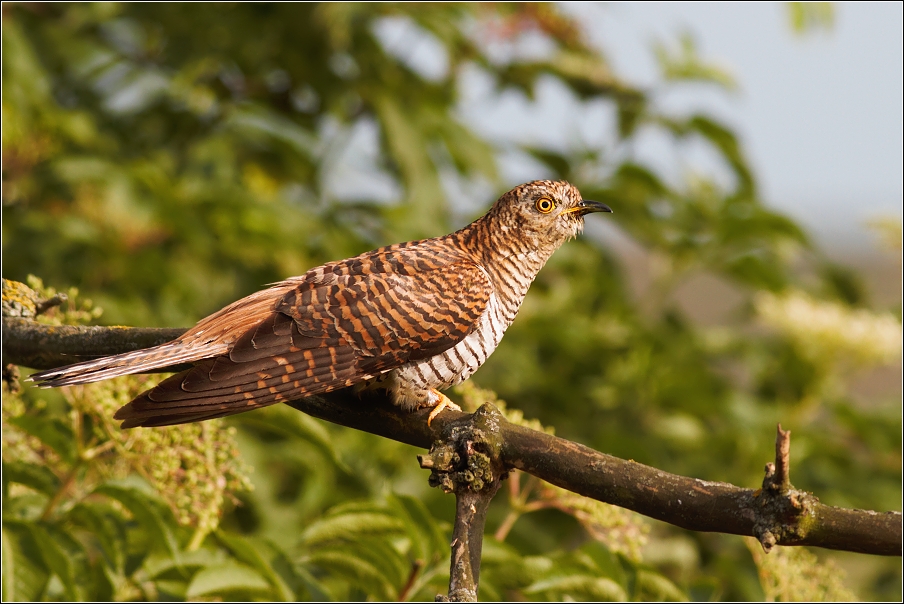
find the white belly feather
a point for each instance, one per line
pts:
(411, 382)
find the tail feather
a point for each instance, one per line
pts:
(170, 403)
(174, 419)
(161, 405)
(211, 337)
(138, 361)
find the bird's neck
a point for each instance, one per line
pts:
(511, 257)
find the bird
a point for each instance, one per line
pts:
(414, 318)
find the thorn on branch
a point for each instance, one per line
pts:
(767, 540)
(782, 477)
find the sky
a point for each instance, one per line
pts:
(820, 115)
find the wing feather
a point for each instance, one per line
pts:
(342, 324)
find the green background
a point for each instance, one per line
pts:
(167, 159)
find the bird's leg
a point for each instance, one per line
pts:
(439, 401)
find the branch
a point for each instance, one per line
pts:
(468, 462)
(774, 516)
(40, 346)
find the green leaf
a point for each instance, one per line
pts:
(102, 587)
(39, 478)
(580, 586)
(63, 555)
(427, 539)
(261, 121)
(25, 575)
(161, 565)
(382, 554)
(807, 17)
(687, 65)
(653, 586)
(586, 72)
(172, 590)
(246, 551)
(314, 586)
(227, 578)
(503, 569)
(632, 112)
(606, 562)
(8, 564)
(559, 163)
(356, 570)
(470, 153)
(724, 139)
(52, 431)
(289, 422)
(351, 526)
(406, 146)
(147, 509)
(106, 525)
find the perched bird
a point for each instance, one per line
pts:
(414, 318)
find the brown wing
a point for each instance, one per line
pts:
(343, 325)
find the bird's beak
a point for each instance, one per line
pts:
(586, 207)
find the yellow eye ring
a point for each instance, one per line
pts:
(545, 205)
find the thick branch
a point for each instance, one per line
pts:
(468, 462)
(686, 502)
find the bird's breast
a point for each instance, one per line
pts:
(456, 364)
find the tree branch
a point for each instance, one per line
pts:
(468, 462)
(783, 516)
(40, 346)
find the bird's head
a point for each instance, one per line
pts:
(546, 213)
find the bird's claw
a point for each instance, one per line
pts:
(443, 403)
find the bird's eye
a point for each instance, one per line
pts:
(545, 205)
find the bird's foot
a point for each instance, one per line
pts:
(442, 402)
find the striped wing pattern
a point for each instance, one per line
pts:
(344, 323)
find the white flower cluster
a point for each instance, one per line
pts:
(890, 230)
(828, 330)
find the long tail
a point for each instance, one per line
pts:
(138, 361)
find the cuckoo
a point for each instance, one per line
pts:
(414, 318)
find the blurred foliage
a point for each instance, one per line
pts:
(684, 63)
(808, 17)
(795, 575)
(890, 231)
(167, 159)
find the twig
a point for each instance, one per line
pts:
(782, 477)
(783, 509)
(61, 492)
(49, 303)
(416, 567)
(518, 502)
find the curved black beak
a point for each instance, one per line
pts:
(586, 207)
